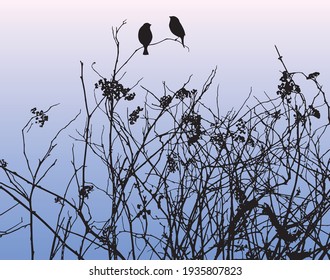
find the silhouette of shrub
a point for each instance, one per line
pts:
(248, 184)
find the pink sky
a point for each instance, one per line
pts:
(43, 41)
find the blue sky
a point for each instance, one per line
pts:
(42, 43)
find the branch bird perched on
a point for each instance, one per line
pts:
(176, 28)
(145, 37)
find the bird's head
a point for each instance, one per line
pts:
(147, 24)
(173, 17)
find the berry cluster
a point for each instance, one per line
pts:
(193, 121)
(241, 131)
(172, 165)
(184, 93)
(218, 139)
(165, 101)
(133, 117)
(40, 116)
(114, 89)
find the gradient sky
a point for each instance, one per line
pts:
(42, 42)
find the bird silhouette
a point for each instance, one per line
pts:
(176, 28)
(145, 37)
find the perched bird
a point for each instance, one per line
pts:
(176, 28)
(145, 37)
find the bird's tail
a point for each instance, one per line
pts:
(145, 52)
(182, 39)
